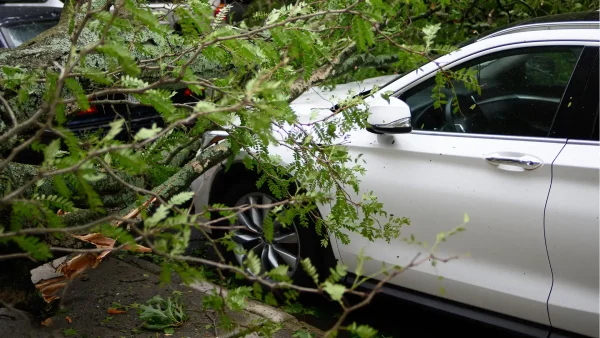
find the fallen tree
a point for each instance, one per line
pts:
(93, 195)
(73, 201)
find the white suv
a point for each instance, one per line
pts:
(522, 160)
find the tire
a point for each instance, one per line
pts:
(307, 239)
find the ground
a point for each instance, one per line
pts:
(127, 281)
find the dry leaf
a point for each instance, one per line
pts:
(113, 311)
(69, 320)
(47, 322)
(78, 264)
(97, 239)
(49, 287)
(137, 248)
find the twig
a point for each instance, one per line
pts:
(214, 324)
(9, 111)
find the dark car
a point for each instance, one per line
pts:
(21, 22)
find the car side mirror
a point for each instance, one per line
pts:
(388, 117)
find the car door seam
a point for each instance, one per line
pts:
(546, 240)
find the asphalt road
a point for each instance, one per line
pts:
(395, 318)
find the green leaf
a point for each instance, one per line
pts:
(70, 332)
(310, 270)
(303, 334)
(237, 298)
(430, 32)
(335, 291)
(51, 151)
(159, 100)
(279, 273)
(161, 314)
(95, 76)
(362, 331)
(161, 213)
(115, 128)
(181, 198)
(121, 53)
(362, 32)
(146, 133)
(76, 89)
(32, 245)
(145, 16)
(252, 262)
(466, 218)
(56, 201)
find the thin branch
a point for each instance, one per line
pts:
(9, 111)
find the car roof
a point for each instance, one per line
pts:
(14, 14)
(563, 37)
(577, 20)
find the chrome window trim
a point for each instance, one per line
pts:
(584, 142)
(492, 137)
(545, 26)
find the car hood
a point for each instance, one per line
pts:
(322, 100)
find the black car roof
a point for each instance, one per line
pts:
(15, 14)
(590, 16)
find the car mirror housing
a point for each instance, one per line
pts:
(390, 116)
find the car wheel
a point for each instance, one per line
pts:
(289, 245)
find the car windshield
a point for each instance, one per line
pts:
(21, 33)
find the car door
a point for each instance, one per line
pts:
(571, 225)
(492, 163)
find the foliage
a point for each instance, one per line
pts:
(119, 57)
(162, 314)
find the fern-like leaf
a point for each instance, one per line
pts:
(56, 201)
(310, 270)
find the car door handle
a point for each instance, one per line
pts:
(512, 162)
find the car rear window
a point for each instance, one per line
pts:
(18, 34)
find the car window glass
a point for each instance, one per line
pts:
(519, 93)
(19, 34)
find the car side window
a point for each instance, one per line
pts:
(519, 93)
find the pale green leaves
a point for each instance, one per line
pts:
(132, 82)
(335, 291)
(146, 133)
(93, 177)
(310, 270)
(51, 152)
(253, 263)
(115, 129)
(443, 236)
(430, 32)
(280, 274)
(162, 211)
(160, 214)
(362, 331)
(181, 198)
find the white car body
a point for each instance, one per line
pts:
(532, 238)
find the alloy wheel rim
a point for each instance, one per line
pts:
(284, 249)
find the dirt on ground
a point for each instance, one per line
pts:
(120, 284)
